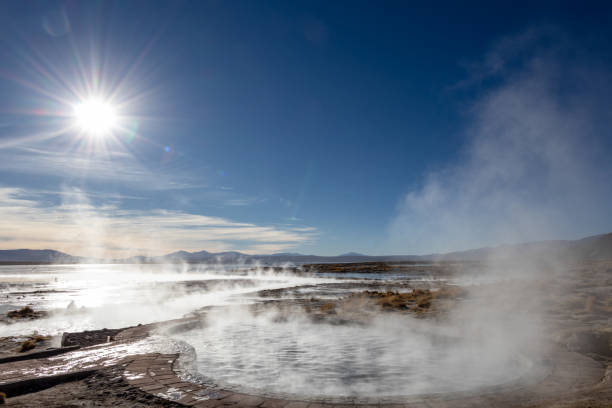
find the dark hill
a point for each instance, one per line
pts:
(36, 255)
(598, 247)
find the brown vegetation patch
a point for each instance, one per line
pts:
(328, 308)
(362, 267)
(417, 301)
(367, 303)
(27, 346)
(438, 269)
(31, 342)
(390, 300)
(26, 313)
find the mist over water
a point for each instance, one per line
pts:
(87, 297)
(392, 356)
(289, 353)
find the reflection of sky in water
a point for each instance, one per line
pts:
(114, 296)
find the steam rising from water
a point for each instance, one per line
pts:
(393, 356)
(532, 167)
(86, 297)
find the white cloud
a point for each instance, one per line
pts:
(78, 227)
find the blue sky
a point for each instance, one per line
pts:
(313, 127)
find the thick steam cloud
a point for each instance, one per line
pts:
(531, 168)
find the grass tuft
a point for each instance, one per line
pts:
(31, 342)
(328, 308)
(26, 311)
(27, 346)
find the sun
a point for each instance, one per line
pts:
(96, 117)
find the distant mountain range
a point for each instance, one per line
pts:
(36, 255)
(598, 247)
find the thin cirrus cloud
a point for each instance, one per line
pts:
(120, 168)
(80, 228)
(117, 166)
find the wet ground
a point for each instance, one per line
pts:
(106, 388)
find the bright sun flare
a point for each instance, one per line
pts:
(95, 117)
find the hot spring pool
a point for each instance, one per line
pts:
(390, 358)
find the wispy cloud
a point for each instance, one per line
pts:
(120, 168)
(79, 227)
(117, 166)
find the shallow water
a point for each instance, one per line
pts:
(86, 297)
